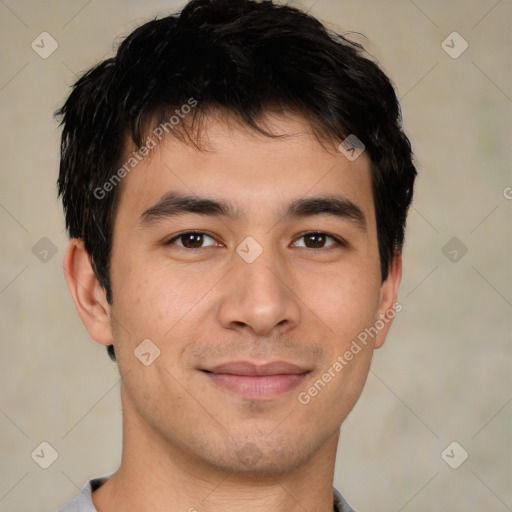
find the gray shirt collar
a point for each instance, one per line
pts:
(82, 502)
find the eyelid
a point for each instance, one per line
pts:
(171, 240)
(339, 242)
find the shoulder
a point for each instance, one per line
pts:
(340, 505)
(82, 502)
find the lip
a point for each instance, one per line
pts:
(257, 381)
(253, 369)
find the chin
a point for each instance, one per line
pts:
(259, 458)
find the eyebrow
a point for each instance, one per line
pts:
(174, 204)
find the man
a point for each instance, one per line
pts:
(235, 183)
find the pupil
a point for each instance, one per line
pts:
(195, 239)
(320, 239)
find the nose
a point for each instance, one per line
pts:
(259, 297)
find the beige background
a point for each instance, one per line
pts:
(445, 371)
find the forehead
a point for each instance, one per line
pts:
(256, 173)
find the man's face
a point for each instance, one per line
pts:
(299, 290)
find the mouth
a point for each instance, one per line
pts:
(257, 381)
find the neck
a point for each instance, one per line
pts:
(156, 474)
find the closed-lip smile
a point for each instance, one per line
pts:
(257, 381)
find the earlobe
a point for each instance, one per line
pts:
(87, 293)
(388, 304)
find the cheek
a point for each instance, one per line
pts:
(141, 294)
(346, 302)
(157, 303)
(333, 391)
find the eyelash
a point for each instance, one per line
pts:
(338, 241)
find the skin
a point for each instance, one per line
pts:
(188, 444)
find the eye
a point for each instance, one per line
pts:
(317, 240)
(191, 240)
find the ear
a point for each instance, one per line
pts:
(88, 294)
(388, 304)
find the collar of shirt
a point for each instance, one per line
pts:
(82, 502)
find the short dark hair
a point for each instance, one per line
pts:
(245, 58)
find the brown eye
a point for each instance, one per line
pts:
(317, 240)
(191, 240)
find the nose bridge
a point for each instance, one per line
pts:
(261, 279)
(258, 296)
